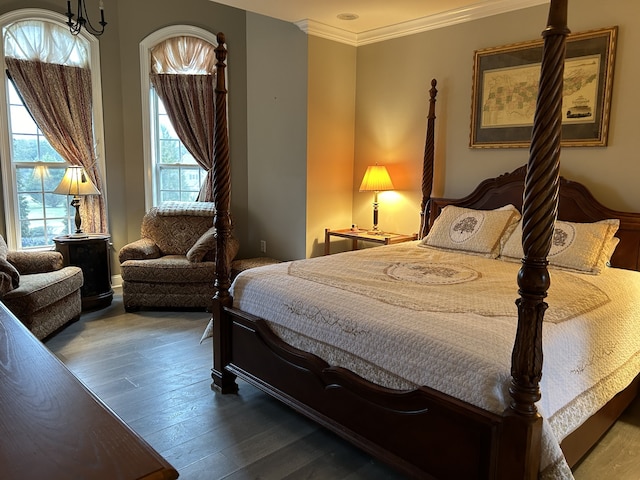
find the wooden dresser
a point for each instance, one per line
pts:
(53, 427)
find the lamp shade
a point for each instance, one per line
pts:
(76, 182)
(376, 179)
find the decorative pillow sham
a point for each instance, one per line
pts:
(584, 247)
(472, 231)
(205, 243)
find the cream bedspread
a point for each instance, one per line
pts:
(404, 315)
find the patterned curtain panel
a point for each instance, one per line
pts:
(183, 76)
(190, 104)
(59, 99)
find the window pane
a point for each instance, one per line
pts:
(160, 106)
(185, 157)
(53, 177)
(28, 180)
(21, 121)
(25, 148)
(56, 205)
(166, 196)
(14, 99)
(169, 151)
(189, 196)
(170, 179)
(190, 179)
(166, 128)
(36, 233)
(47, 153)
(29, 207)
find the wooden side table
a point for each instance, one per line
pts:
(385, 238)
(93, 255)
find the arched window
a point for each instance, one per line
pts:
(38, 51)
(178, 78)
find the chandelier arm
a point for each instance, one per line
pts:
(83, 19)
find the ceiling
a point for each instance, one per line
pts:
(376, 20)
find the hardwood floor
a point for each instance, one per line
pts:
(150, 368)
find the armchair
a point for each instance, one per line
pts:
(172, 265)
(39, 290)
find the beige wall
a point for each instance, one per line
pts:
(392, 82)
(307, 116)
(277, 137)
(330, 139)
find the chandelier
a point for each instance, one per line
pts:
(83, 19)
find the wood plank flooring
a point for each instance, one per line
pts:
(150, 368)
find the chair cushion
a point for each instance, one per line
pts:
(39, 290)
(28, 262)
(168, 269)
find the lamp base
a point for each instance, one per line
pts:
(78, 235)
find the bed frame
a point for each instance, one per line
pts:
(425, 433)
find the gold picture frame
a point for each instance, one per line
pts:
(505, 86)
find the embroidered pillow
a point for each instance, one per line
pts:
(206, 243)
(584, 247)
(472, 231)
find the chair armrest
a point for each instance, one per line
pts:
(27, 262)
(142, 249)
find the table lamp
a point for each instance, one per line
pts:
(376, 179)
(76, 182)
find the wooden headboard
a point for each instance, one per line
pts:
(575, 204)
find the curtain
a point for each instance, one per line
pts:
(50, 70)
(45, 41)
(190, 105)
(183, 76)
(59, 99)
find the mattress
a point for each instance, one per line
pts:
(404, 315)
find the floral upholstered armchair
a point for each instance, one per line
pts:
(42, 293)
(172, 265)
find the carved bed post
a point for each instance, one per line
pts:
(222, 380)
(540, 203)
(427, 163)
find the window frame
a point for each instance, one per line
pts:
(151, 176)
(9, 180)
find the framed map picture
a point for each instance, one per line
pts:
(505, 89)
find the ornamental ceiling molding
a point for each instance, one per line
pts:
(431, 22)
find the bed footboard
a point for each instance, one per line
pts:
(421, 432)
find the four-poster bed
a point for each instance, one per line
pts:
(427, 431)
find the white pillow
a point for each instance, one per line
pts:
(584, 247)
(472, 231)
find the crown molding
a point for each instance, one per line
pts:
(431, 22)
(317, 29)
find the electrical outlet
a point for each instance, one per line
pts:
(263, 246)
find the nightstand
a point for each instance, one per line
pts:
(92, 255)
(385, 238)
